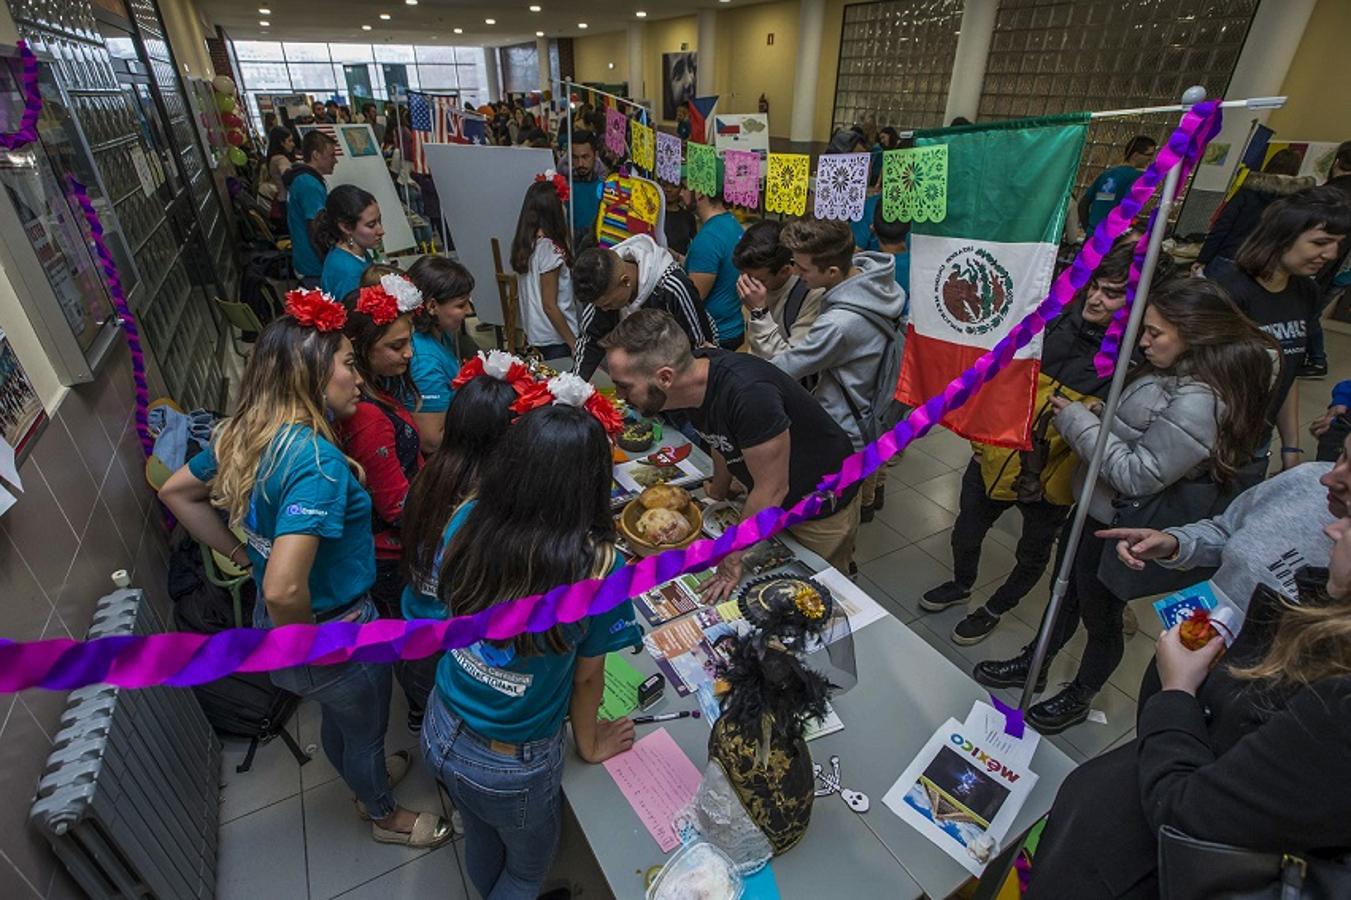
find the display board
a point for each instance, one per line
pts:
(360, 163)
(481, 189)
(741, 131)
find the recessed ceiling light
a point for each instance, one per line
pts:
(264, 11)
(489, 21)
(411, 2)
(385, 16)
(581, 24)
(365, 28)
(640, 14)
(539, 34)
(459, 31)
(535, 8)
(264, 22)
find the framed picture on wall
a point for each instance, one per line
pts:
(21, 413)
(677, 80)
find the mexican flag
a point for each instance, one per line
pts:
(983, 260)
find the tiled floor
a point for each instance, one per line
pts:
(292, 833)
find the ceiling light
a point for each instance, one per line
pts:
(365, 28)
(459, 31)
(489, 21)
(535, 8)
(411, 2)
(264, 22)
(264, 11)
(539, 34)
(385, 16)
(640, 14)
(581, 24)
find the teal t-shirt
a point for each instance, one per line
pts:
(864, 239)
(309, 490)
(1107, 190)
(433, 368)
(304, 198)
(419, 600)
(903, 278)
(342, 272)
(711, 253)
(585, 206)
(516, 699)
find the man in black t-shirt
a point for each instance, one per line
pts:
(762, 427)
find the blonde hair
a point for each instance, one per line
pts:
(282, 386)
(1312, 642)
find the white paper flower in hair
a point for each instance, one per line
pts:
(498, 363)
(570, 390)
(404, 292)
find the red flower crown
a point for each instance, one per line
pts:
(315, 309)
(570, 390)
(560, 183)
(378, 304)
(495, 364)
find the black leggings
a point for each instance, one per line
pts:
(1088, 600)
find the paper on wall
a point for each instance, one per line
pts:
(961, 794)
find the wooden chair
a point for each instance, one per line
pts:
(242, 317)
(511, 303)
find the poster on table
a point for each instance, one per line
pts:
(741, 131)
(360, 163)
(481, 189)
(21, 411)
(964, 790)
(677, 80)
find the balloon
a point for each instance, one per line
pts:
(225, 103)
(235, 137)
(230, 120)
(237, 156)
(224, 84)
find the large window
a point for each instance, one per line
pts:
(275, 67)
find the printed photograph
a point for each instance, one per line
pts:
(677, 80)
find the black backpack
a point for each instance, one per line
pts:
(246, 704)
(884, 410)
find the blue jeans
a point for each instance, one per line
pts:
(511, 804)
(353, 699)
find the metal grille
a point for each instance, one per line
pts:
(896, 62)
(1055, 56)
(128, 797)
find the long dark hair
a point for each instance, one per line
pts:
(364, 334)
(542, 519)
(440, 280)
(1285, 220)
(541, 212)
(275, 138)
(1231, 355)
(344, 207)
(476, 420)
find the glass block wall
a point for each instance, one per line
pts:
(896, 62)
(1054, 56)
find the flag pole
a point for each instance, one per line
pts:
(1170, 184)
(567, 111)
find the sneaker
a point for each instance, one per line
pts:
(1314, 370)
(415, 717)
(1010, 673)
(1066, 709)
(949, 593)
(1129, 624)
(975, 628)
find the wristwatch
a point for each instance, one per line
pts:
(759, 314)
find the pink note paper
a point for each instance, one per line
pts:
(657, 779)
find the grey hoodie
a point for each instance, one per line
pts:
(844, 347)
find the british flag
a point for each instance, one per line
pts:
(440, 120)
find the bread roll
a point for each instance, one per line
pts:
(664, 496)
(663, 526)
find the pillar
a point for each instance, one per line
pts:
(491, 74)
(707, 47)
(635, 76)
(811, 15)
(545, 71)
(968, 63)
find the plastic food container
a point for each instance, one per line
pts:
(698, 871)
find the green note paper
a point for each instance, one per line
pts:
(621, 688)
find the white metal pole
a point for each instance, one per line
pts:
(1108, 416)
(567, 111)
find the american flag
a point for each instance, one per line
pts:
(332, 131)
(440, 120)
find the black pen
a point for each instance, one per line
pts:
(666, 717)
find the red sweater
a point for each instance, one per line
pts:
(391, 458)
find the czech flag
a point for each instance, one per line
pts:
(701, 113)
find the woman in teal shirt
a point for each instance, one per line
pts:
(345, 232)
(494, 728)
(277, 473)
(447, 287)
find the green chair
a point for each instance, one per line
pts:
(241, 319)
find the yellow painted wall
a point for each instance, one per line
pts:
(747, 66)
(661, 37)
(591, 54)
(830, 64)
(1318, 109)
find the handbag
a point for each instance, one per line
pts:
(1193, 869)
(1181, 503)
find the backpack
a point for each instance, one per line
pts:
(246, 704)
(885, 410)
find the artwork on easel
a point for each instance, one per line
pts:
(21, 411)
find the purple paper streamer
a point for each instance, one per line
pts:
(181, 658)
(127, 320)
(27, 132)
(1013, 718)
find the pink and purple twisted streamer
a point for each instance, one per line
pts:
(27, 132)
(128, 321)
(1104, 361)
(182, 659)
